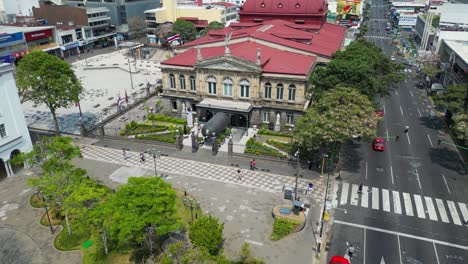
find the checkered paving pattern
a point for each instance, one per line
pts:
(167, 165)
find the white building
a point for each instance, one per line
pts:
(14, 134)
(453, 24)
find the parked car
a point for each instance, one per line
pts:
(393, 58)
(378, 144)
(339, 260)
(380, 113)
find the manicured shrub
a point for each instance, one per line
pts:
(167, 119)
(272, 133)
(258, 148)
(282, 227)
(281, 145)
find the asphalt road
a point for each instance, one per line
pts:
(413, 206)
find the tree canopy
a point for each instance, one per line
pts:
(185, 29)
(46, 79)
(362, 66)
(214, 25)
(136, 26)
(207, 233)
(338, 115)
(455, 99)
(461, 127)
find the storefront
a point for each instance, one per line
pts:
(12, 47)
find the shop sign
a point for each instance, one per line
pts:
(7, 59)
(71, 45)
(6, 38)
(407, 20)
(40, 34)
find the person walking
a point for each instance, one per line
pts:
(360, 188)
(254, 164)
(142, 157)
(239, 175)
(397, 138)
(124, 154)
(406, 129)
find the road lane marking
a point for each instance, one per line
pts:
(385, 111)
(399, 248)
(366, 170)
(408, 204)
(401, 110)
(396, 202)
(396, 233)
(453, 212)
(396, 92)
(388, 138)
(254, 242)
(365, 197)
(364, 246)
(354, 194)
(437, 255)
(464, 211)
(430, 208)
(430, 141)
(446, 185)
(442, 211)
(385, 200)
(335, 192)
(375, 198)
(417, 177)
(411, 93)
(419, 206)
(419, 112)
(391, 173)
(407, 135)
(344, 193)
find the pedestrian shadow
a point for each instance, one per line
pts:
(448, 159)
(350, 156)
(432, 122)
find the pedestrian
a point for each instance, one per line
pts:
(239, 175)
(360, 188)
(251, 165)
(406, 129)
(351, 251)
(309, 164)
(439, 141)
(254, 164)
(142, 157)
(397, 138)
(124, 154)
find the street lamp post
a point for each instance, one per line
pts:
(153, 153)
(297, 173)
(47, 212)
(130, 71)
(192, 205)
(152, 117)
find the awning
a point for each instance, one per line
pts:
(225, 105)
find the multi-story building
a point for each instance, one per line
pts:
(12, 45)
(454, 61)
(14, 134)
(119, 10)
(257, 73)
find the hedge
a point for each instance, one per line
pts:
(167, 119)
(162, 138)
(281, 145)
(272, 133)
(134, 129)
(258, 148)
(282, 227)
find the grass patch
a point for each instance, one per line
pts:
(273, 133)
(282, 227)
(134, 128)
(55, 217)
(280, 145)
(277, 138)
(161, 138)
(167, 119)
(74, 241)
(258, 148)
(184, 212)
(36, 201)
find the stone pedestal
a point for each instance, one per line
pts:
(214, 146)
(179, 143)
(194, 142)
(230, 147)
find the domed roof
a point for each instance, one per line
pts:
(285, 6)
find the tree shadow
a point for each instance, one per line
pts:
(350, 156)
(448, 159)
(432, 122)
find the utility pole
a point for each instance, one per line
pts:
(297, 174)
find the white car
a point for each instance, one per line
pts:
(393, 58)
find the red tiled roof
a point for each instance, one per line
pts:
(272, 60)
(323, 42)
(284, 7)
(225, 4)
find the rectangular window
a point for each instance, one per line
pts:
(182, 83)
(3, 132)
(266, 117)
(172, 82)
(192, 84)
(244, 91)
(211, 87)
(289, 119)
(279, 93)
(227, 89)
(268, 91)
(174, 105)
(292, 94)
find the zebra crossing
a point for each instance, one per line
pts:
(377, 37)
(401, 203)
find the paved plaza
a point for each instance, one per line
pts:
(104, 77)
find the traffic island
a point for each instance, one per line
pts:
(288, 219)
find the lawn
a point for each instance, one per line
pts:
(277, 138)
(184, 212)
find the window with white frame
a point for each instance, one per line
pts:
(3, 132)
(292, 93)
(227, 87)
(279, 92)
(268, 90)
(172, 82)
(244, 88)
(211, 85)
(182, 82)
(192, 83)
(289, 119)
(266, 117)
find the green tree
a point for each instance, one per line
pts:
(214, 25)
(187, 30)
(455, 99)
(46, 79)
(337, 116)
(137, 205)
(206, 232)
(362, 65)
(430, 70)
(461, 127)
(137, 26)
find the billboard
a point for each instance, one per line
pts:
(40, 34)
(6, 38)
(407, 20)
(348, 12)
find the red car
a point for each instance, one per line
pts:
(378, 144)
(379, 113)
(339, 260)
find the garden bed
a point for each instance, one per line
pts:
(280, 145)
(258, 148)
(134, 128)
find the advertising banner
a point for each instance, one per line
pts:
(407, 20)
(40, 34)
(6, 38)
(348, 12)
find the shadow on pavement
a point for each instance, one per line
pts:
(432, 122)
(350, 156)
(448, 159)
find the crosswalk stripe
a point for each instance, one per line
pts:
(385, 200)
(442, 211)
(344, 193)
(464, 211)
(354, 194)
(419, 206)
(430, 208)
(365, 197)
(453, 212)
(375, 198)
(396, 202)
(335, 192)
(408, 204)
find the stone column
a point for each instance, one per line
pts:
(179, 142)
(8, 165)
(214, 145)
(101, 130)
(230, 147)
(6, 168)
(194, 142)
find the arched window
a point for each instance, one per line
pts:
(268, 90)
(211, 84)
(227, 87)
(244, 88)
(192, 83)
(172, 83)
(182, 82)
(279, 92)
(292, 93)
